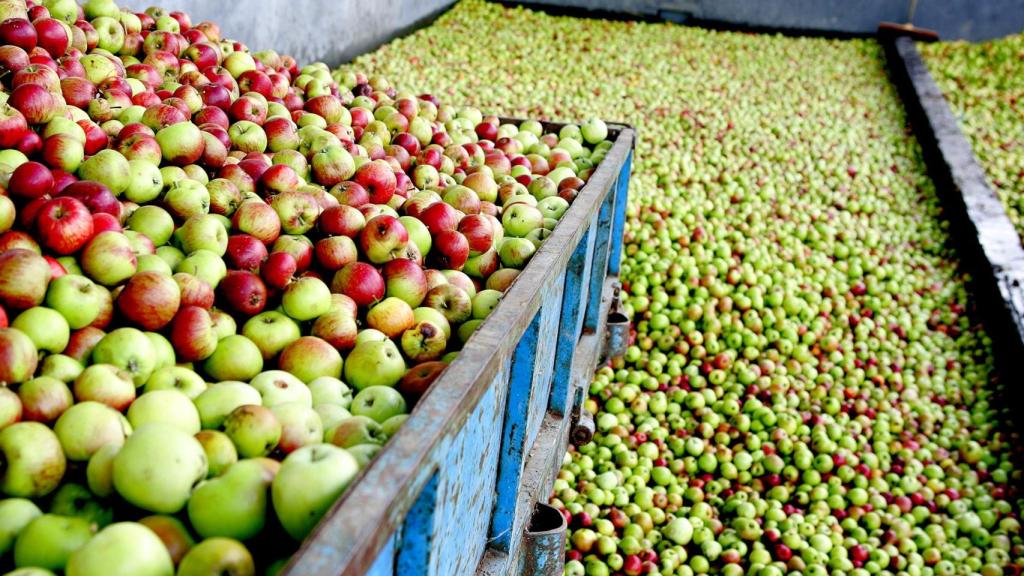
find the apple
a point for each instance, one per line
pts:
(515, 252)
(34, 460)
(11, 407)
(244, 292)
(245, 252)
(350, 194)
(359, 281)
(129, 349)
(224, 196)
(309, 358)
(31, 180)
(308, 483)
(519, 219)
(258, 219)
(405, 279)
(418, 379)
(181, 143)
(220, 451)
(450, 250)
(15, 515)
(47, 329)
(18, 32)
(194, 291)
(451, 301)
(424, 341)
(500, 280)
(108, 167)
(328, 390)
(382, 238)
(153, 221)
(106, 384)
(357, 431)
(217, 555)
(204, 264)
(236, 358)
(378, 178)
(35, 102)
(49, 540)
(482, 266)
(306, 298)
(300, 426)
(439, 217)
(82, 342)
(24, 277)
(279, 269)
(203, 232)
(337, 327)
(254, 430)
(150, 300)
(157, 467)
(374, 364)
(61, 367)
(87, 426)
(172, 533)
(185, 198)
(122, 549)
(378, 403)
(108, 258)
(332, 165)
(391, 316)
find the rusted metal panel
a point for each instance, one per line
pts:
(455, 428)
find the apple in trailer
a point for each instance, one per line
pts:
(376, 363)
(254, 430)
(34, 460)
(122, 549)
(308, 483)
(217, 555)
(18, 356)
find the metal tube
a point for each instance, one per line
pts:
(544, 543)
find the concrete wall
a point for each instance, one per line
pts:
(967, 19)
(330, 30)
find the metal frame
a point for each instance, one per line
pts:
(453, 490)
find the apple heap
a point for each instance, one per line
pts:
(225, 279)
(808, 390)
(983, 84)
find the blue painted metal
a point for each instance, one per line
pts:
(544, 543)
(385, 563)
(619, 227)
(599, 267)
(466, 486)
(513, 438)
(414, 555)
(451, 485)
(574, 298)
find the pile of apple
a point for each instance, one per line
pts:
(984, 84)
(809, 390)
(225, 280)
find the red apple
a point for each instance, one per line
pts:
(351, 194)
(194, 291)
(379, 180)
(245, 252)
(36, 103)
(279, 269)
(64, 225)
(103, 222)
(439, 217)
(95, 196)
(243, 292)
(450, 250)
(341, 220)
(192, 334)
(52, 36)
(24, 276)
(479, 233)
(31, 180)
(360, 282)
(149, 300)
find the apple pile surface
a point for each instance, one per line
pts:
(225, 280)
(809, 391)
(984, 84)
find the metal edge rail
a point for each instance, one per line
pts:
(992, 247)
(353, 532)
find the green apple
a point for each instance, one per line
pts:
(15, 514)
(87, 426)
(108, 167)
(327, 390)
(46, 327)
(220, 451)
(233, 504)
(271, 331)
(217, 556)
(129, 349)
(374, 364)
(300, 426)
(153, 221)
(205, 265)
(77, 299)
(184, 197)
(145, 185)
(358, 430)
(203, 232)
(278, 387)
(391, 425)
(106, 384)
(330, 416)
(122, 549)
(418, 233)
(236, 358)
(176, 378)
(76, 500)
(49, 540)
(484, 302)
(172, 532)
(553, 207)
(254, 430)
(310, 480)
(378, 403)
(219, 400)
(306, 298)
(157, 467)
(33, 460)
(515, 252)
(309, 358)
(519, 219)
(99, 473)
(364, 453)
(424, 341)
(435, 317)
(166, 406)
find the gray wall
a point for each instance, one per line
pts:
(967, 19)
(338, 30)
(330, 30)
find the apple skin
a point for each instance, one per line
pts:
(192, 334)
(177, 378)
(418, 379)
(244, 292)
(300, 426)
(359, 281)
(234, 504)
(516, 252)
(24, 277)
(450, 250)
(502, 279)
(392, 316)
(11, 408)
(108, 258)
(310, 480)
(236, 358)
(219, 400)
(157, 467)
(245, 252)
(35, 462)
(306, 299)
(326, 390)
(106, 384)
(172, 533)
(451, 301)
(203, 232)
(217, 555)
(149, 300)
(122, 549)
(18, 356)
(424, 341)
(86, 427)
(279, 269)
(338, 328)
(378, 403)
(129, 349)
(405, 280)
(194, 291)
(220, 451)
(15, 515)
(49, 540)
(439, 217)
(374, 364)
(46, 327)
(254, 430)
(167, 407)
(357, 431)
(309, 358)
(181, 143)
